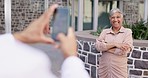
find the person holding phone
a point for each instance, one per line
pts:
(19, 60)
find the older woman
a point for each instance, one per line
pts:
(114, 43)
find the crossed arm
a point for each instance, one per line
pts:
(114, 47)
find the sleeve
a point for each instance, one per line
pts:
(100, 45)
(73, 67)
(100, 42)
(128, 40)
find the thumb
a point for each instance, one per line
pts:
(61, 37)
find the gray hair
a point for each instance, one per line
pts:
(115, 10)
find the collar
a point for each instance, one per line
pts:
(110, 31)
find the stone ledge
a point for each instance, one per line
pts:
(85, 35)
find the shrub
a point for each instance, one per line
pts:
(139, 29)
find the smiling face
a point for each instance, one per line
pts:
(116, 20)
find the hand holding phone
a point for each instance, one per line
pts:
(60, 22)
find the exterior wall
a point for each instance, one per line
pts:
(89, 55)
(141, 11)
(133, 11)
(137, 60)
(23, 12)
(2, 17)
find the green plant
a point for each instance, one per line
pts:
(139, 29)
(99, 30)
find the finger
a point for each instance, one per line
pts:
(44, 19)
(122, 49)
(125, 48)
(61, 37)
(71, 32)
(51, 10)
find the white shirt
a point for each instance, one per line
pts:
(18, 60)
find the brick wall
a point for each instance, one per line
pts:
(23, 12)
(2, 18)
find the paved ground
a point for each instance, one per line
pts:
(55, 56)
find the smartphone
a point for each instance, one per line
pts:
(60, 21)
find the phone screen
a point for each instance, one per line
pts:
(60, 22)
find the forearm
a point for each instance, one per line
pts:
(104, 46)
(118, 51)
(110, 46)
